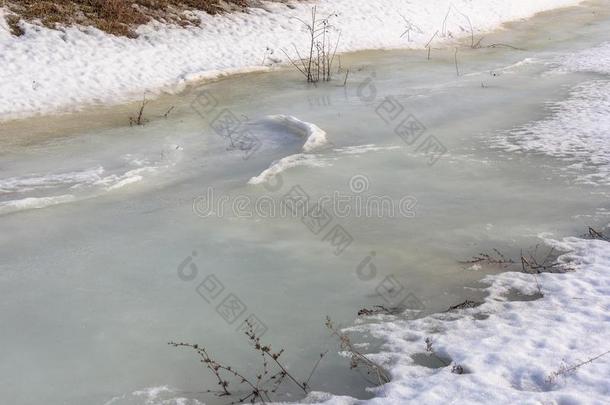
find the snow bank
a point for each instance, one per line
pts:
(315, 137)
(46, 71)
(508, 349)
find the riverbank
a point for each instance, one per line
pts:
(50, 71)
(537, 338)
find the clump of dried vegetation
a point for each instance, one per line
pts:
(567, 369)
(118, 17)
(241, 386)
(534, 262)
(380, 310)
(139, 119)
(357, 359)
(262, 384)
(596, 234)
(316, 65)
(455, 368)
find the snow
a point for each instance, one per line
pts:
(508, 349)
(288, 162)
(34, 203)
(43, 189)
(161, 395)
(596, 60)
(48, 71)
(315, 138)
(576, 131)
(576, 128)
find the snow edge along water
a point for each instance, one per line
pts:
(54, 71)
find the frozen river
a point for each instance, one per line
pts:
(117, 239)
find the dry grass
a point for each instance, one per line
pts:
(13, 24)
(118, 17)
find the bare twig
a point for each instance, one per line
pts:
(295, 65)
(430, 350)
(379, 309)
(346, 75)
(168, 112)
(216, 368)
(497, 258)
(464, 305)
(444, 28)
(357, 358)
(429, 42)
(315, 367)
(471, 30)
(139, 119)
(478, 43)
(322, 50)
(264, 384)
(266, 351)
(525, 263)
(596, 235)
(431, 39)
(505, 46)
(565, 370)
(409, 26)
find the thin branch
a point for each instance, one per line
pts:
(294, 64)
(345, 81)
(431, 39)
(563, 370)
(313, 370)
(506, 46)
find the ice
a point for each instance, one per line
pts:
(93, 288)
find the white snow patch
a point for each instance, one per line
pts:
(33, 203)
(577, 130)
(161, 395)
(299, 159)
(360, 149)
(509, 355)
(40, 190)
(315, 138)
(595, 60)
(46, 181)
